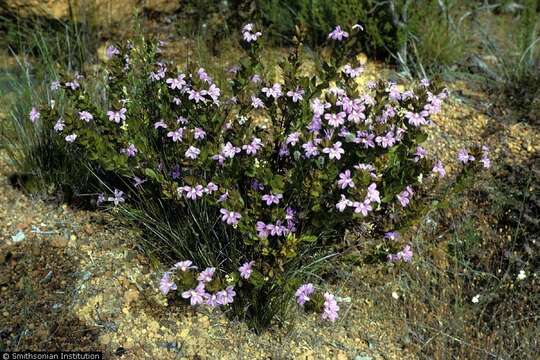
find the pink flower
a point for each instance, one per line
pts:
(343, 203)
(335, 120)
(199, 134)
(192, 192)
(160, 124)
(112, 51)
(166, 284)
(230, 217)
(130, 151)
(345, 180)
(438, 168)
(331, 308)
(464, 157)
(71, 138)
(206, 275)
(362, 207)
(335, 151)
(59, 125)
(85, 116)
(296, 95)
(195, 295)
(303, 293)
(34, 115)
(117, 116)
(176, 135)
(176, 83)
(272, 199)
(192, 152)
(338, 34)
(246, 269)
(274, 91)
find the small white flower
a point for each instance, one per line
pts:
(395, 295)
(476, 299)
(521, 275)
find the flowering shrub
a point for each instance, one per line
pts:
(252, 177)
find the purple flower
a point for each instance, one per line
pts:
(229, 150)
(160, 124)
(253, 147)
(71, 138)
(292, 139)
(117, 198)
(343, 203)
(130, 151)
(196, 96)
(206, 275)
(310, 149)
(203, 75)
(248, 34)
(438, 168)
(335, 151)
(256, 102)
(362, 207)
(34, 115)
(73, 85)
(55, 85)
(331, 308)
(392, 235)
(213, 300)
(303, 293)
(223, 196)
(338, 34)
(229, 295)
(272, 199)
(112, 51)
(262, 230)
(195, 295)
(230, 217)
(85, 116)
(274, 91)
(486, 162)
(296, 95)
(192, 152)
(335, 120)
(246, 269)
(404, 255)
(424, 82)
(420, 153)
(192, 192)
(214, 92)
(211, 187)
(59, 125)
(373, 193)
(345, 180)
(404, 196)
(176, 83)
(387, 140)
(117, 116)
(464, 157)
(199, 134)
(100, 199)
(166, 284)
(352, 72)
(415, 119)
(138, 181)
(176, 135)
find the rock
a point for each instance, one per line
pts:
(97, 12)
(59, 241)
(88, 229)
(130, 296)
(164, 6)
